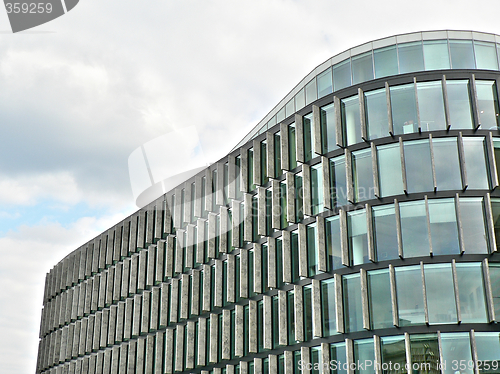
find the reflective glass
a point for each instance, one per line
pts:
(444, 229)
(486, 55)
(308, 137)
(280, 116)
(339, 357)
(277, 155)
(363, 175)
(263, 162)
(379, 297)
(300, 100)
(431, 106)
(295, 255)
(351, 122)
(440, 293)
(292, 150)
(404, 109)
(418, 166)
(410, 295)
(342, 75)
(495, 210)
(357, 237)
(317, 189)
(376, 114)
(475, 163)
(424, 350)
(436, 56)
(414, 229)
(311, 91)
(338, 183)
(456, 350)
(328, 132)
(389, 170)
(386, 61)
(460, 104)
(495, 286)
(328, 307)
(307, 293)
(251, 185)
(312, 251)
(290, 108)
(316, 360)
(362, 68)
(364, 352)
(473, 225)
(299, 198)
(488, 351)
(353, 312)
(283, 216)
(279, 262)
(290, 317)
(384, 229)
(325, 84)
(411, 57)
(471, 293)
(447, 164)
(487, 103)
(393, 353)
(332, 233)
(462, 55)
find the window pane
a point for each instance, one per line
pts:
(307, 312)
(357, 236)
(389, 170)
(411, 57)
(308, 137)
(263, 162)
(342, 75)
(317, 189)
(338, 184)
(251, 185)
(363, 175)
(393, 353)
(471, 293)
(456, 349)
(386, 240)
(418, 166)
(414, 229)
(404, 109)
(410, 295)
(312, 251)
(386, 61)
(311, 91)
(487, 102)
(486, 55)
(325, 84)
(353, 313)
(447, 164)
(376, 114)
(338, 355)
(332, 233)
(460, 104)
(462, 56)
(299, 198)
(475, 163)
(488, 351)
(424, 350)
(351, 120)
(292, 151)
(362, 68)
(440, 293)
(364, 352)
(473, 225)
(290, 317)
(295, 255)
(444, 230)
(300, 100)
(290, 108)
(495, 209)
(436, 55)
(328, 307)
(283, 216)
(277, 155)
(495, 286)
(280, 116)
(328, 132)
(316, 360)
(431, 106)
(380, 299)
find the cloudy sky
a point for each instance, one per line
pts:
(79, 94)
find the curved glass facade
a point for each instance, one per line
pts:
(362, 228)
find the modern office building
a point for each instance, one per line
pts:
(354, 230)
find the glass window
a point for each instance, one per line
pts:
(456, 350)
(487, 102)
(279, 262)
(300, 100)
(291, 317)
(316, 360)
(290, 108)
(431, 106)
(263, 162)
(338, 183)
(389, 170)
(410, 295)
(363, 175)
(444, 230)
(364, 351)
(334, 252)
(447, 164)
(255, 217)
(342, 75)
(353, 312)
(362, 68)
(339, 356)
(251, 185)
(308, 137)
(495, 286)
(357, 236)
(351, 122)
(460, 104)
(312, 251)
(299, 198)
(328, 307)
(376, 114)
(488, 351)
(473, 225)
(307, 312)
(418, 166)
(283, 216)
(328, 132)
(379, 296)
(424, 350)
(292, 151)
(495, 210)
(486, 55)
(317, 189)
(462, 55)
(471, 293)
(436, 55)
(384, 229)
(475, 163)
(237, 180)
(404, 109)
(325, 84)
(280, 116)
(311, 91)
(440, 293)
(393, 352)
(277, 155)
(269, 211)
(295, 255)
(411, 57)
(386, 61)
(414, 229)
